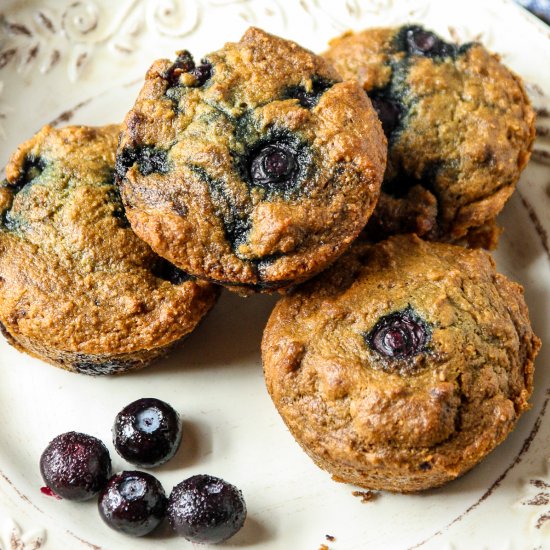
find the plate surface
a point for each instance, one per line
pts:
(82, 62)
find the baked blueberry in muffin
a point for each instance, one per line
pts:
(460, 130)
(77, 287)
(254, 168)
(403, 365)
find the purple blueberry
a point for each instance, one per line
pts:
(206, 509)
(75, 466)
(202, 72)
(399, 335)
(309, 98)
(274, 163)
(147, 432)
(133, 503)
(184, 63)
(388, 112)
(422, 42)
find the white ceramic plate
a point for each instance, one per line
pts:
(81, 62)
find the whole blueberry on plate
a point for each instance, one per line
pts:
(147, 432)
(206, 509)
(133, 503)
(75, 466)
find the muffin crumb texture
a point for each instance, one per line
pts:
(403, 365)
(77, 287)
(460, 130)
(258, 174)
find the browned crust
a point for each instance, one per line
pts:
(447, 410)
(468, 135)
(77, 287)
(289, 239)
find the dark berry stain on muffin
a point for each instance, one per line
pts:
(202, 72)
(309, 98)
(401, 184)
(235, 221)
(32, 168)
(29, 172)
(399, 335)
(185, 63)
(92, 366)
(152, 160)
(113, 198)
(388, 110)
(278, 164)
(392, 102)
(166, 271)
(149, 160)
(425, 466)
(125, 159)
(416, 40)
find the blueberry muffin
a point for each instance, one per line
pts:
(403, 365)
(255, 168)
(77, 287)
(460, 129)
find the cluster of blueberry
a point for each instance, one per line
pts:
(147, 433)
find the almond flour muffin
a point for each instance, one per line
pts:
(403, 365)
(77, 287)
(255, 168)
(460, 129)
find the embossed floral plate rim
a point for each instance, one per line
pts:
(80, 62)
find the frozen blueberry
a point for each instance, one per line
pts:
(75, 466)
(133, 503)
(422, 42)
(399, 335)
(388, 112)
(274, 163)
(147, 432)
(206, 509)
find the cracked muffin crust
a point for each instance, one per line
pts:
(77, 287)
(254, 169)
(403, 365)
(460, 130)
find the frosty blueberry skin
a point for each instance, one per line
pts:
(147, 432)
(206, 509)
(133, 503)
(75, 466)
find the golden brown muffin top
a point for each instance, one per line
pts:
(459, 124)
(405, 357)
(73, 275)
(255, 168)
